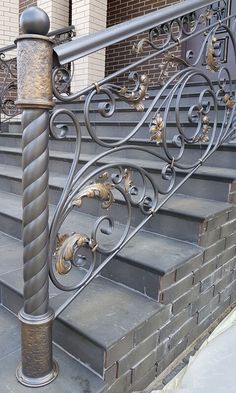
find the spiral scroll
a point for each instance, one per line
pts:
(35, 210)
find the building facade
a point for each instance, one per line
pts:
(88, 16)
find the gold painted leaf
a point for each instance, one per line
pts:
(101, 191)
(65, 253)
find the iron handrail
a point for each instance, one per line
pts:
(88, 44)
(75, 182)
(56, 32)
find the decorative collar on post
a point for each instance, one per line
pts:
(34, 60)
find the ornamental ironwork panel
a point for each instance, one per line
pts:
(106, 178)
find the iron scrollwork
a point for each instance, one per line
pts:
(109, 179)
(8, 86)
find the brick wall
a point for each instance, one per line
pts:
(58, 12)
(23, 4)
(89, 16)
(121, 54)
(195, 294)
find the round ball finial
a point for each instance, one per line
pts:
(34, 20)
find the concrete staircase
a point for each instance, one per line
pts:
(162, 291)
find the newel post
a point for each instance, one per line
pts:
(34, 73)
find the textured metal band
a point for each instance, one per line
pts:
(35, 210)
(37, 368)
(34, 71)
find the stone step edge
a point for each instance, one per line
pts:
(88, 139)
(164, 210)
(224, 174)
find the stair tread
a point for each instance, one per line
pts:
(179, 204)
(72, 138)
(102, 297)
(150, 250)
(214, 172)
(74, 378)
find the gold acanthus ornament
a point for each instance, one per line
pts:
(228, 101)
(128, 182)
(169, 60)
(156, 129)
(101, 190)
(204, 137)
(211, 60)
(67, 245)
(135, 98)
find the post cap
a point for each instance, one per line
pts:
(34, 20)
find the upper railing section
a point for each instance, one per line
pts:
(86, 45)
(8, 74)
(167, 119)
(166, 29)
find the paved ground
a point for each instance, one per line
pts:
(212, 369)
(73, 377)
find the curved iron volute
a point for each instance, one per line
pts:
(34, 69)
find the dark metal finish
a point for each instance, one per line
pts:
(106, 177)
(8, 67)
(86, 45)
(8, 88)
(135, 186)
(37, 368)
(34, 53)
(35, 210)
(34, 21)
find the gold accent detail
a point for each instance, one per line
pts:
(34, 74)
(128, 182)
(168, 61)
(65, 250)
(97, 87)
(156, 129)
(204, 137)
(136, 99)
(212, 63)
(138, 47)
(228, 100)
(37, 368)
(101, 190)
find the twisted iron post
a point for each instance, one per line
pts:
(34, 70)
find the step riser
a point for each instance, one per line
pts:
(224, 158)
(197, 185)
(62, 335)
(177, 226)
(109, 129)
(130, 115)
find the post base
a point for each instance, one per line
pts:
(37, 367)
(37, 382)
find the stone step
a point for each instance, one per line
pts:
(222, 157)
(181, 217)
(73, 375)
(164, 252)
(127, 114)
(102, 325)
(148, 256)
(213, 183)
(189, 95)
(121, 128)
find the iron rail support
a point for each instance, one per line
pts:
(34, 73)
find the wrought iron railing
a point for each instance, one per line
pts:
(107, 177)
(8, 76)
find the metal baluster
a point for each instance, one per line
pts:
(34, 57)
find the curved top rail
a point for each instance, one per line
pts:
(63, 30)
(88, 44)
